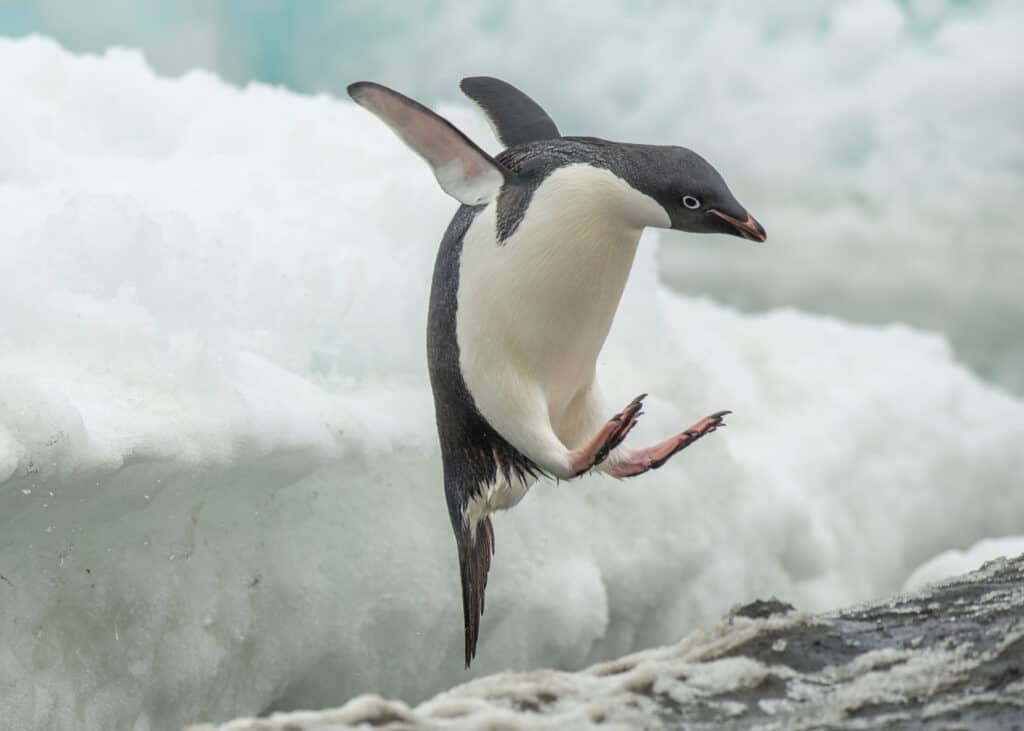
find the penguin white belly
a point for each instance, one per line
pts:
(534, 311)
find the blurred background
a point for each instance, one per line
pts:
(877, 140)
(219, 479)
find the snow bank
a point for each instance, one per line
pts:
(219, 488)
(955, 561)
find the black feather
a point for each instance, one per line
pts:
(516, 118)
(475, 553)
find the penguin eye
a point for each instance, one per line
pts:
(690, 202)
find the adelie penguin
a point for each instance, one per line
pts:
(526, 283)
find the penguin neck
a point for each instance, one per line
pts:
(594, 196)
(580, 234)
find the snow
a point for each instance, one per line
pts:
(955, 561)
(724, 676)
(877, 140)
(219, 484)
(594, 697)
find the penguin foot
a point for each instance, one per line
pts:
(610, 436)
(651, 458)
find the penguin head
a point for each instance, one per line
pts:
(694, 194)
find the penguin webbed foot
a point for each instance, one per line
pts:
(651, 458)
(596, 451)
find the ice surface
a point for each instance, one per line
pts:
(221, 492)
(955, 561)
(877, 140)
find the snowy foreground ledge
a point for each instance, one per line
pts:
(952, 653)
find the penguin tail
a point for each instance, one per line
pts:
(476, 546)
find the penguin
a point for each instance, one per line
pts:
(526, 283)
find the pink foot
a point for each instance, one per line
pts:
(651, 458)
(607, 438)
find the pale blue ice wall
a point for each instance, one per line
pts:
(878, 140)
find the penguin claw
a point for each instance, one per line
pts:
(610, 436)
(651, 458)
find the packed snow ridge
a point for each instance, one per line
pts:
(219, 483)
(949, 656)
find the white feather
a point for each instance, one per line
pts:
(534, 312)
(469, 180)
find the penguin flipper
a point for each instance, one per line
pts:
(515, 117)
(475, 553)
(463, 170)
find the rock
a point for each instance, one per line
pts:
(950, 656)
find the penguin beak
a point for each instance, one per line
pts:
(748, 229)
